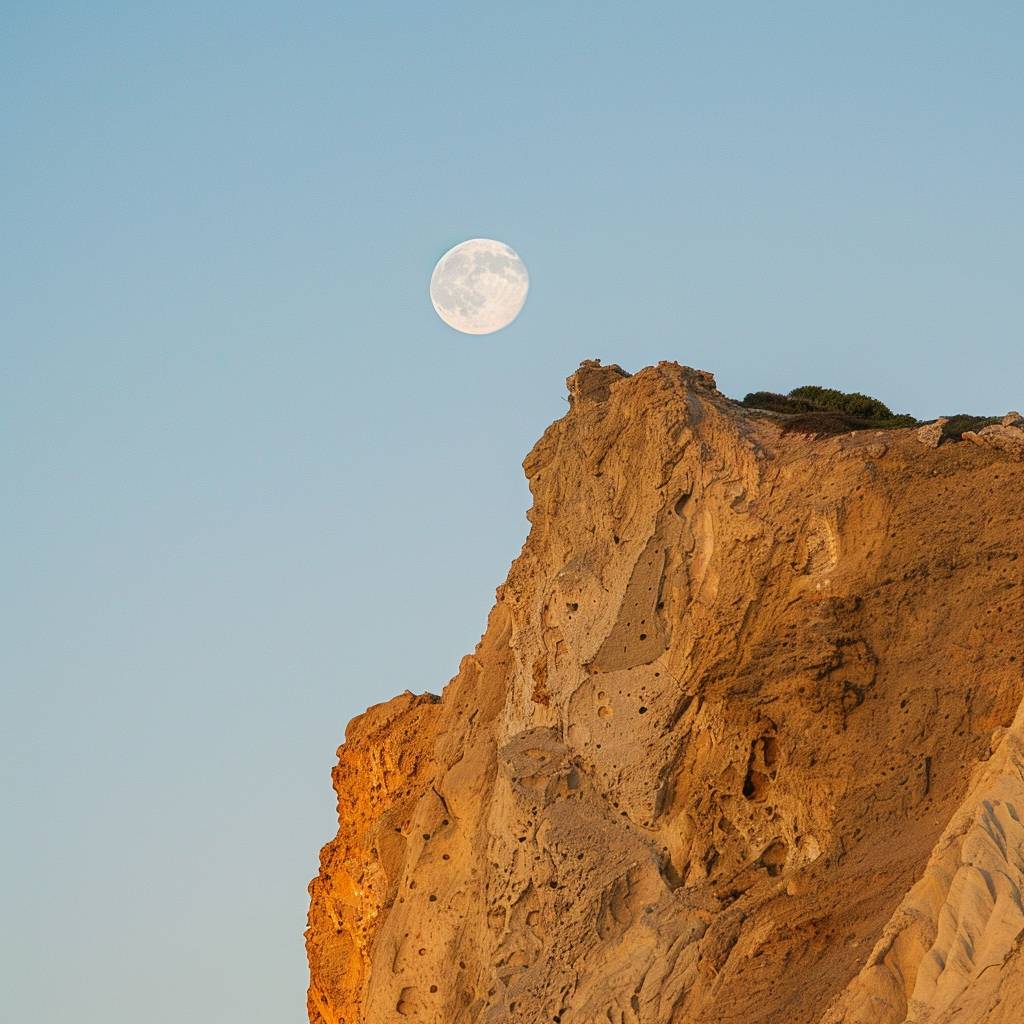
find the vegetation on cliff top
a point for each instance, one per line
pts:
(955, 426)
(816, 410)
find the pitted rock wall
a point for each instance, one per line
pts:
(719, 733)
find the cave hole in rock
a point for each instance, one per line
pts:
(774, 857)
(761, 764)
(710, 860)
(754, 785)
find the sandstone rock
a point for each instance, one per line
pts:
(724, 753)
(1000, 436)
(593, 381)
(1013, 419)
(952, 951)
(930, 435)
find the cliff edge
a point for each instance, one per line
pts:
(742, 742)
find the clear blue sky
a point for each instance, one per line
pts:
(251, 484)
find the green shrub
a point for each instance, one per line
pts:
(776, 403)
(814, 410)
(956, 425)
(862, 406)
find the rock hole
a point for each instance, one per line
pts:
(774, 857)
(754, 785)
(710, 860)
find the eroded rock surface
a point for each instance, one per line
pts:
(1006, 437)
(740, 744)
(930, 435)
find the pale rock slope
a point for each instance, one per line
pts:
(741, 743)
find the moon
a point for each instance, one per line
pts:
(479, 286)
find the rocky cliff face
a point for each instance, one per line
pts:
(742, 742)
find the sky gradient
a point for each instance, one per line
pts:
(251, 484)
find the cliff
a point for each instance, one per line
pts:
(742, 743)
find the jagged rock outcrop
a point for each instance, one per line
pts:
(930, 435)
(741, 742)
(1007, 436)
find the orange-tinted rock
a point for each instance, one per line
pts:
(930, 435)
(725, 752)
(1006, 437)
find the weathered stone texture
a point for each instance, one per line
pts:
(741, 743)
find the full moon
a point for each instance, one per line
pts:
(479, 286)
